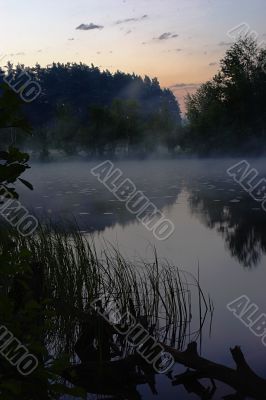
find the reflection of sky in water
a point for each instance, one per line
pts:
(217, 225)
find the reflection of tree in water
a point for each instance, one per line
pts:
(99, 222)
(102, 209)
(241, 224)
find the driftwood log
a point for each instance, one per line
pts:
(242, 379)
(98, 373)
(113, 378)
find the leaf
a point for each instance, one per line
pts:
(26, 183)
(4, 155)
(75, 391)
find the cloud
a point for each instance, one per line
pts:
(212, 64)
(172, 51)
(127, 20)
(88, 27)
(166, 36)
(16, 54)
(225, 44)
(184, 86)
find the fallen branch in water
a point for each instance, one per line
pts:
(242, 379)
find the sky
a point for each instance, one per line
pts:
(178, 41)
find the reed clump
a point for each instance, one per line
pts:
(70, 274)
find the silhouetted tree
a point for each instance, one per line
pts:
(82, 108)
(228, 113)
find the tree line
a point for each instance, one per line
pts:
(83, 108)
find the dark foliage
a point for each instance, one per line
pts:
(82, 108)
(12, 161)
(228, 113)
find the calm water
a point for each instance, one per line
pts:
(217, 225)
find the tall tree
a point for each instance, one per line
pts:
(228, 113)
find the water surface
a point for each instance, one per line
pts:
(218, 227)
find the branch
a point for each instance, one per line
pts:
(242, 379)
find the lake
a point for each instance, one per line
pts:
(219, 229)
